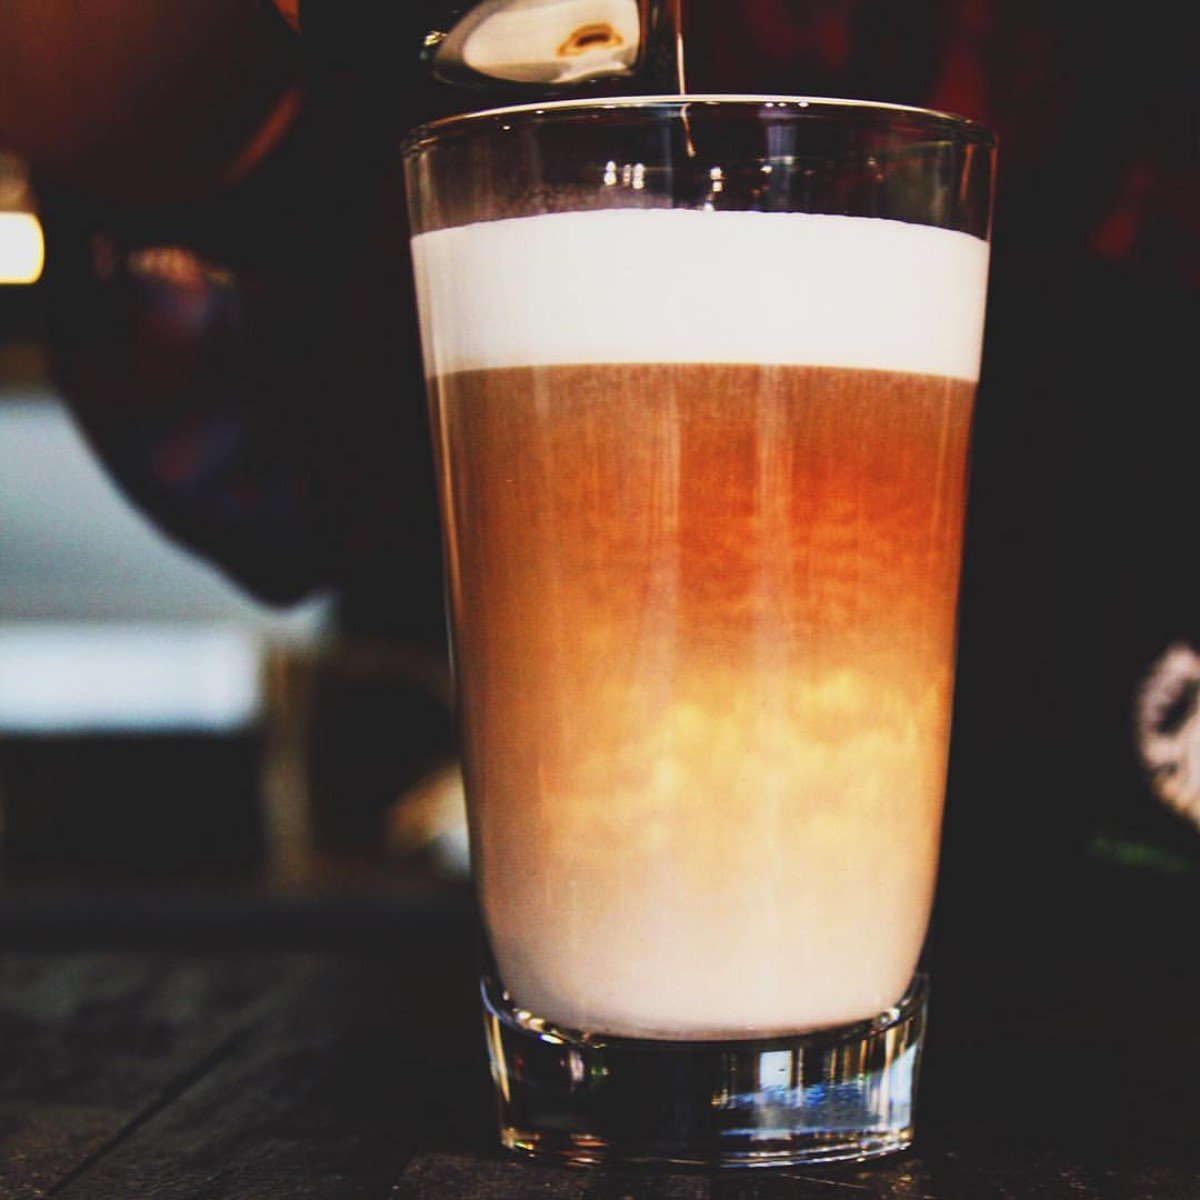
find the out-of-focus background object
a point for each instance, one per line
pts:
(161, 728)
(157, 723)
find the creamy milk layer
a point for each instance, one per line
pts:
(703, 478)
(681, 285)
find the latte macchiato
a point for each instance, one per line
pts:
(703, 479)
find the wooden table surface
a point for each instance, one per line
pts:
(336, 1055)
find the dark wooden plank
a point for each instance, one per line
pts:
(92, 1043)
(1150, 1182)
(327, 1096)
(1087, 1096)
(442, 1175)
(494, 1178)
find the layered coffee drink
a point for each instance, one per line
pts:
(703, 477)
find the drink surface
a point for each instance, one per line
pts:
(704, 634)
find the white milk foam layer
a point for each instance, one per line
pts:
(684, 285)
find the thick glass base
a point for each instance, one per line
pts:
(590, 1099)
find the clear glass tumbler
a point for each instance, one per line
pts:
(701, 372)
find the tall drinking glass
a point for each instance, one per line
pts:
(701, 373)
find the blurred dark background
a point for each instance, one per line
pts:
(212, 427)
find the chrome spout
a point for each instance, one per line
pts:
(547, 47)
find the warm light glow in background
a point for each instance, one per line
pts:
(22, 248)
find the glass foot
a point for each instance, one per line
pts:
(842, 1094)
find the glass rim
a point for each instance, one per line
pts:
(431, 133)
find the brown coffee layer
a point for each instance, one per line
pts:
(704, 627)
